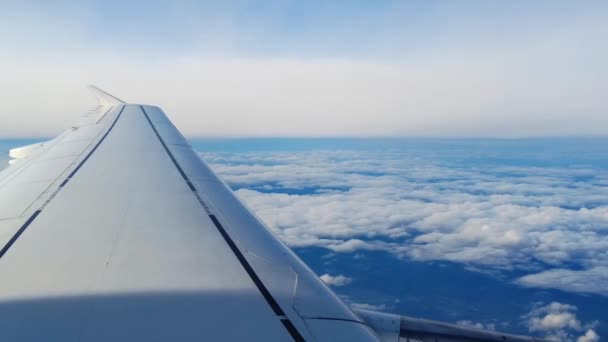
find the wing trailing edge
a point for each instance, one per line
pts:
(390, 327)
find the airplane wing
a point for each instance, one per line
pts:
(390, 327)
(116, 230)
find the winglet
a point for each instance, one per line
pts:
(104, 98)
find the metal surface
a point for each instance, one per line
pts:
(130, 236)
(396, 328)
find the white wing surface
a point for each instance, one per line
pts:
(117, 231)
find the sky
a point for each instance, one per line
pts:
(312, 68)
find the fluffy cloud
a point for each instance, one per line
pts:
(554, 316)
(337, 280)
(593, 280)
(590, 336)
(551, 222)
(559, 322)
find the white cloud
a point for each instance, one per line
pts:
(352, 245)
(495, 218)
(337, 280)
(590, 336)
(593, 280)
(559, 322)
(554, 321)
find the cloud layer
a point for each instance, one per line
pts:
(550, 222)
(593, 280)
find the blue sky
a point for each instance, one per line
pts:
(312, 68)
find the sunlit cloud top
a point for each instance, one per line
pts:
(314, 68)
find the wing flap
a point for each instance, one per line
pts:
(40, 168)
(15, 198)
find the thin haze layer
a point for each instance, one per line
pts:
(291, 68)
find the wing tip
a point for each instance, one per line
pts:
(104, 97)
